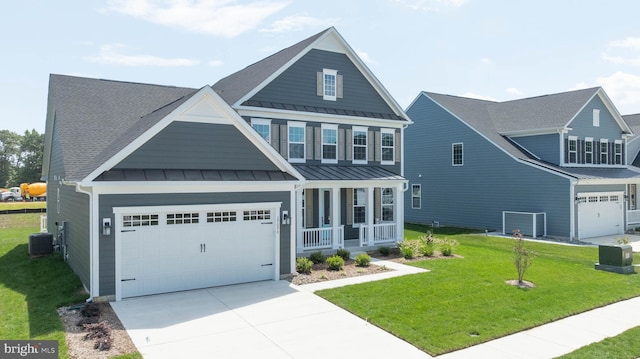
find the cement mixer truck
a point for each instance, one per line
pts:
(26, 192)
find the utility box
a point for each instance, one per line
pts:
(40, 244)
(617, 259)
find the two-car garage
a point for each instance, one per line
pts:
(171, 248)
(600, 214)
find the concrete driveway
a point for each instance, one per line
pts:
(256, 320)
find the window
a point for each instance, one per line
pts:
(617, 148)
(456, 154)
(182, 218)
(359, 206)
(573, 149)
(296, 141)
(588, 150)
(330, 85)
(329, 143)
(221, 216)
(387, 204)
(263, 127)
(596, 118)
(604, 152)
(140, 220)
(257, 215)
(360, 145)
(416, 196)
(387, 146)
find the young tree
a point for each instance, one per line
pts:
(522, 257)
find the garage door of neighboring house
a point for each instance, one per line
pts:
(166, 249)
(600, 214)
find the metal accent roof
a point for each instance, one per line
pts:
(192, 175)
(327, 110)
(346, 173)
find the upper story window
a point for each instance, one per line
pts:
(457, 154)
(387, 146)
(604, 151)
(359, 145)
(416, 196)
(329, 143)
(617, 148)
(263, 127)
(573, 149)
(588, 150)
(296, 141)
(330, 82)
(596, 118)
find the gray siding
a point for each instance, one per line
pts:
(490, 181)
(108, 202)
(297, 85)
(547, 147)
(216, 147)
(582, 124)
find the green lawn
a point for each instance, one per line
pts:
(22, 205)
(623, 346)
(465, 301)
(31, 289)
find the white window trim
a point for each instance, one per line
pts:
(588, 140)
(355, 129)
(419, 196)
(453, 146)
(353, 207)
(603, 140)
(304, 145)
(596, 117)
(617, 154)
(262, 121)
(383, 205)
(333, 127)
(573, 139)
(393, 151)
(333, 73)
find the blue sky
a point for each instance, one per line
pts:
(497, 50)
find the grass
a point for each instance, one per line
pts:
(22, 205)
(31, 289)
(465, 301)
(622, 346)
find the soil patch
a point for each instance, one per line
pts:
(321, 273)
(523, 285)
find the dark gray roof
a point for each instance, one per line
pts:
(193, 175)
(95, 118)
(327, 110)
(634, 123)
(235, 86)
(593, 172)
(346, 173)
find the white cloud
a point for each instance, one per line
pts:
(215, 63)
(623, 52)
(113, 55)
(479, 97)
(298, 22)
(514, 91)
(431, 5)
(486, 61)
(365, 57)
(623, 89)
(224, 18)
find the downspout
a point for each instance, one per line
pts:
(79, 189)
(572, 213)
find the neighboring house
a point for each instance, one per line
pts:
(156, 188)
(553, 165)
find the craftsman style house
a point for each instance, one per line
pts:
(158, 188)
(555, 165)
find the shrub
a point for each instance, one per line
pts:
(303, 265)
(427, 249)
(410, 248)
(384, 250)
(335, 263)
(406, 251)
(343, 253)
(317, 257)
(363, 260)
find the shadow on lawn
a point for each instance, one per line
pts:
(46, 282)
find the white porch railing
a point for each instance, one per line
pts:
(633, 216)
(382, 233)
(321, 238)
(43, 223)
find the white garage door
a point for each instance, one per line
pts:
(166, 249)
(600, 214)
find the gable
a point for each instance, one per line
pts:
(198, 146)
(582, 124)
(297, 87)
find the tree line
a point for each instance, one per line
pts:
(20, 157)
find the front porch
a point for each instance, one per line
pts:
(358, 219)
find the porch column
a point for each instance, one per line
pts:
(370, 212)
(398, 212)
(335, 219)
(299, 222)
